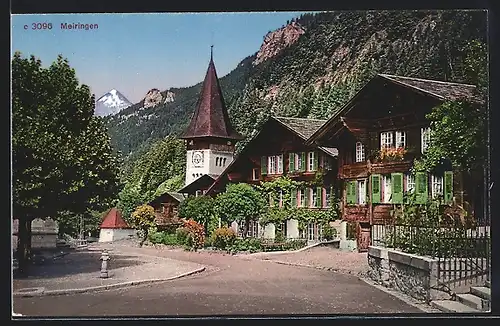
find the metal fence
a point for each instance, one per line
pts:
(463, 252)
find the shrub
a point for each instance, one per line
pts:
(195, 234)
(279, 237)
(181, 235)
(165, 238)
(248, 244)
(329, 232)
(224, 237)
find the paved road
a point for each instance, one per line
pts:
(230, 285)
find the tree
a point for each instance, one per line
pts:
(242, 203)
(129, 198)
(200, 209)
(158, 170)
(144, 219)
(61, 153)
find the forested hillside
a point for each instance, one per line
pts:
(318, 72)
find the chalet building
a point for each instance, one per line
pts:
(378, 134)
(279, 149)
(210, 137)
(166, 209)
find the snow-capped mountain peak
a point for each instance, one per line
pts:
(111, 103)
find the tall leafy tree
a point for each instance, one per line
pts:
(242, 203)
(62, 158)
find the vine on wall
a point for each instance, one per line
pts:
(283, 187)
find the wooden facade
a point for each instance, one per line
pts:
(378, 135)
(166, 209)
(280, 150)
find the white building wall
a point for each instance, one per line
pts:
(269, 231)
(209, 163)
(292, 229)
(108, 235)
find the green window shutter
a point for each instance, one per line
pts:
(448, 187)
(397, 188)
(263, 165)
(421, 187)
(351, 192)
(319, 197)
(307, 192)
(375, 188)
(303, 161)
(331, 197)
(315, 161)
(291, 162)
(294, 197)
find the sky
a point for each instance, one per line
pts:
(134, 53)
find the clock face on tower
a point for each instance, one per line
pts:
(198, 159)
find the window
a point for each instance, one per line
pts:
(386, 182)
(279, 159)
(361, 192)
(327, 197)
(253, 228)
(327, 162)
(314, 197)
(310, 231)
(300, 161)
(360, 152)
(224, 161)
(302, 198)
(311, 160)
(255, 174)
(390, 139)
(426, 138)
(386, 140)
(400, 139)
(437, 186)
(410, 183)
(275, 164)
(271, 166)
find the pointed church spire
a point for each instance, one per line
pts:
(210, 118)
(211, 53)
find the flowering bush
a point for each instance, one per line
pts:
(392, 154)
(223, 237)
(195, 234)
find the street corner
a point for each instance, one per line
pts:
(29, 292)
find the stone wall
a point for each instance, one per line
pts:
(413, 275)
(43, 233)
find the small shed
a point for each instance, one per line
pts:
(166, 209)
(113, 227)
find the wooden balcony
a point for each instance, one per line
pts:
(356, 213)
(389, 167)
(355, 170)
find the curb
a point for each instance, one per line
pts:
(406, 299)
(256, 254)
(43, 292)
(330, 269)
(424, 307)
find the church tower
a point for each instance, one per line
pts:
(210, 137)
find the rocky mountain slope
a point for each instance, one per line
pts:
(311, 66)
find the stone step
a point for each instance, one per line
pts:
(473, 301)
(452, 306)
(481, 291)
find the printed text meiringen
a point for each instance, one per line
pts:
(79, 26)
